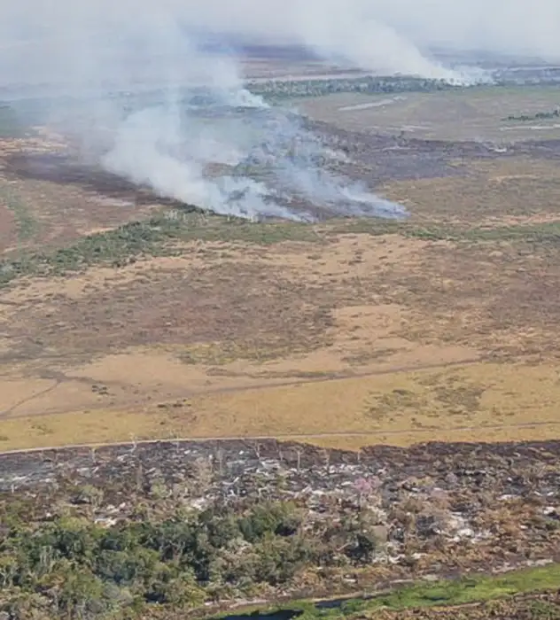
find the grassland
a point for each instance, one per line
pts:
(450, 597)
(122, 316)
(475, 114)
(403, 303)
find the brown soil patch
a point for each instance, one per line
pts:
(493, 191)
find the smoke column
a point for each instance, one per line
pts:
(89, 50)
(397, 34)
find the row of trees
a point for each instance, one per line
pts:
(366, 85)
(76, 568)
(539, 116)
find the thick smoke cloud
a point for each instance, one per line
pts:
(388, 35)
(88, 50)
(513, 27)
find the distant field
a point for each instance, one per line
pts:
(473, 114)
(124, 316)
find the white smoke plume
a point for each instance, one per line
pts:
(91, 49)
(91, 52)
(384, 35)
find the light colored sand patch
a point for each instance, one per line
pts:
(348, 256)
(371, 104)
(139, 377)
(54, 397)
(100, 426)
(537, 432)
(84, 232)
(365, 339)
(147, 369)
(511, 177)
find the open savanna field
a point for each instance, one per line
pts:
(125, 318)
(482, 113)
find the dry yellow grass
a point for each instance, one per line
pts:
(239, 329)
(427, 402)
(477, 402)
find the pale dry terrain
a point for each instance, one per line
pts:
(343, 333)
(376, 338)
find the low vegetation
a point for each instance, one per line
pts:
(159, 236)
(73, 567)
(153, 237)
(539, 116)
(26, 223)
(489, 594)
(280, 89)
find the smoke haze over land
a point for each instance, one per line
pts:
(385, 35)
(90, 49)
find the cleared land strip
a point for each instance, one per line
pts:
(290, 437)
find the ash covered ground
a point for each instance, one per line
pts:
(442, 508)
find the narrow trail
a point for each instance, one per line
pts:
(279, 437)
(333, 377)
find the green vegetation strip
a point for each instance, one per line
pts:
(317, 87)
(153, 237)
(444, 593)
(548, 232)
(26, 224)
(160, 235)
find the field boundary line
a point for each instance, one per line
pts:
(279, 437)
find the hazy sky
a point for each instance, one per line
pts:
(384, 35)
(95, 46)
(504, 25)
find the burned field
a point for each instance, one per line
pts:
(273, 520)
